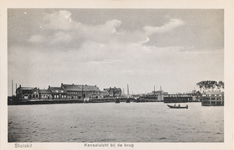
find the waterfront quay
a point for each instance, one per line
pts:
(73, 93)
(212, 98)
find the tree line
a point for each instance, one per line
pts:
(206, 85)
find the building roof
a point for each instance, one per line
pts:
(159, 92)
(26, 88)
(74, 87)
(113, 89)
(104, 92)
(44, 91)
(213, 92)
(58, 90)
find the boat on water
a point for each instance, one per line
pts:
(178, 107)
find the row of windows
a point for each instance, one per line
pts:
(57, 96)
(73, 92)
(81, 92)
(212, 102)
(30, 96)
(179, 96)
(213, 98)
(46, 96)
(212, 95)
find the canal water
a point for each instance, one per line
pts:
(111, 122)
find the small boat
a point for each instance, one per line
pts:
(178, 107)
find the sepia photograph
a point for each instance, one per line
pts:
(116, 77)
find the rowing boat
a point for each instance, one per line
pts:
(178, 107)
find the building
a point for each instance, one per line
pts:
(104, 94)
(159, 95)
(196, 95)
(114, 92)
(57, 92)
(212, 98)
(35, 94)
(45, 94)
(177, 98)
(26, 93)
(65, 92)
(81, 91)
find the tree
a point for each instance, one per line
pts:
(207, 85)
(221, 84)
(200, 85)
(218, 85)
(212, 84)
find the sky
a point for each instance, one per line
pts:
(144, 48)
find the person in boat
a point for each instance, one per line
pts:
(179, 105)
(174, 104)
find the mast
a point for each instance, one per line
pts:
(82, 92)
(128, 89)
(12, 87)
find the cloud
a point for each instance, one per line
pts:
(59, 20)
(56, 38)
(61, 37)
(142, 42)
(59, 28)
(36, 39)
(62, 21)
(172, 24)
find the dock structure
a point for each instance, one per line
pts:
(212, 98)
(177, 99)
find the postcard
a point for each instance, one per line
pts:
(116, 74)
